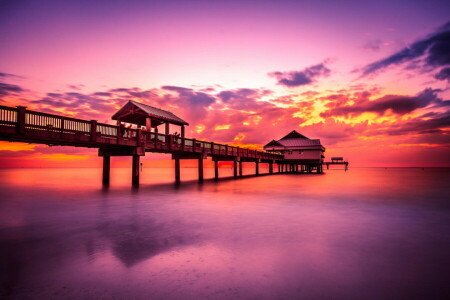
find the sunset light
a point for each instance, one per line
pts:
(239, 149)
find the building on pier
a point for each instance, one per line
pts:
(299, 150)
(148, 116)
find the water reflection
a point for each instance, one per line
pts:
(344, 235)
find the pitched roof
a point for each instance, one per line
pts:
(299, 142)
(158, 115)
(273, 143)
(293, 135)
(295, 139)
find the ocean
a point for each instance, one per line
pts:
(368, 233)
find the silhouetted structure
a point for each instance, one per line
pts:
(17, 124)
(301, 154)
(148, 116)
(337, 161)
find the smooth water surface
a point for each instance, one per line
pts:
(370, 233)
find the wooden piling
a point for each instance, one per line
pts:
(106, 169)
(235, 171)
(177, 170)
(200, 169)
(216, 169)
(135, 170)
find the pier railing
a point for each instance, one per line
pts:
(38, 127)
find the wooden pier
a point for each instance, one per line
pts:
(337, 161)
(18, 124)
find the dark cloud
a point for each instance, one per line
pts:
(7, 89)
(423, 126)
(76, 87)
(299, 78)
(104, 94)
(397, 104)
(10, 76)
(434, 50)
(191, 97)
(78, 103)
(443, 74)
(195, 103)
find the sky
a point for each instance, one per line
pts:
(369, 79)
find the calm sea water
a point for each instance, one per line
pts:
(370, 233)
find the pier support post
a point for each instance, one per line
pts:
(177, 170)
(240, 169)
(270, 168)
(106, 169)
(216, 169)
(257, 168)
(21, 110)
(200, 169)
(235, 171)
(135, 170)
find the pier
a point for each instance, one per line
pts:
(18, 124)
(336, 161)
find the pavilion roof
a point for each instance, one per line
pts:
(136, 113)
(295, 139)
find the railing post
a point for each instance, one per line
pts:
(120, 130)
(212, 148)
(61, 130)
(193, 145)
(183, 142)
(138, 137)
(93, 130)
(169, 143)
(21, 111)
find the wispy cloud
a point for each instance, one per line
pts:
(433, 51)
(298, 78)
(397, 104)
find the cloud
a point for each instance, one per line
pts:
(373, 45)
(8, 89)
(299, 78)
(443, 74)
(433, 50)
(195, 103)
(10, 76)
(77, 87)
(423, 126)
(397, 104)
